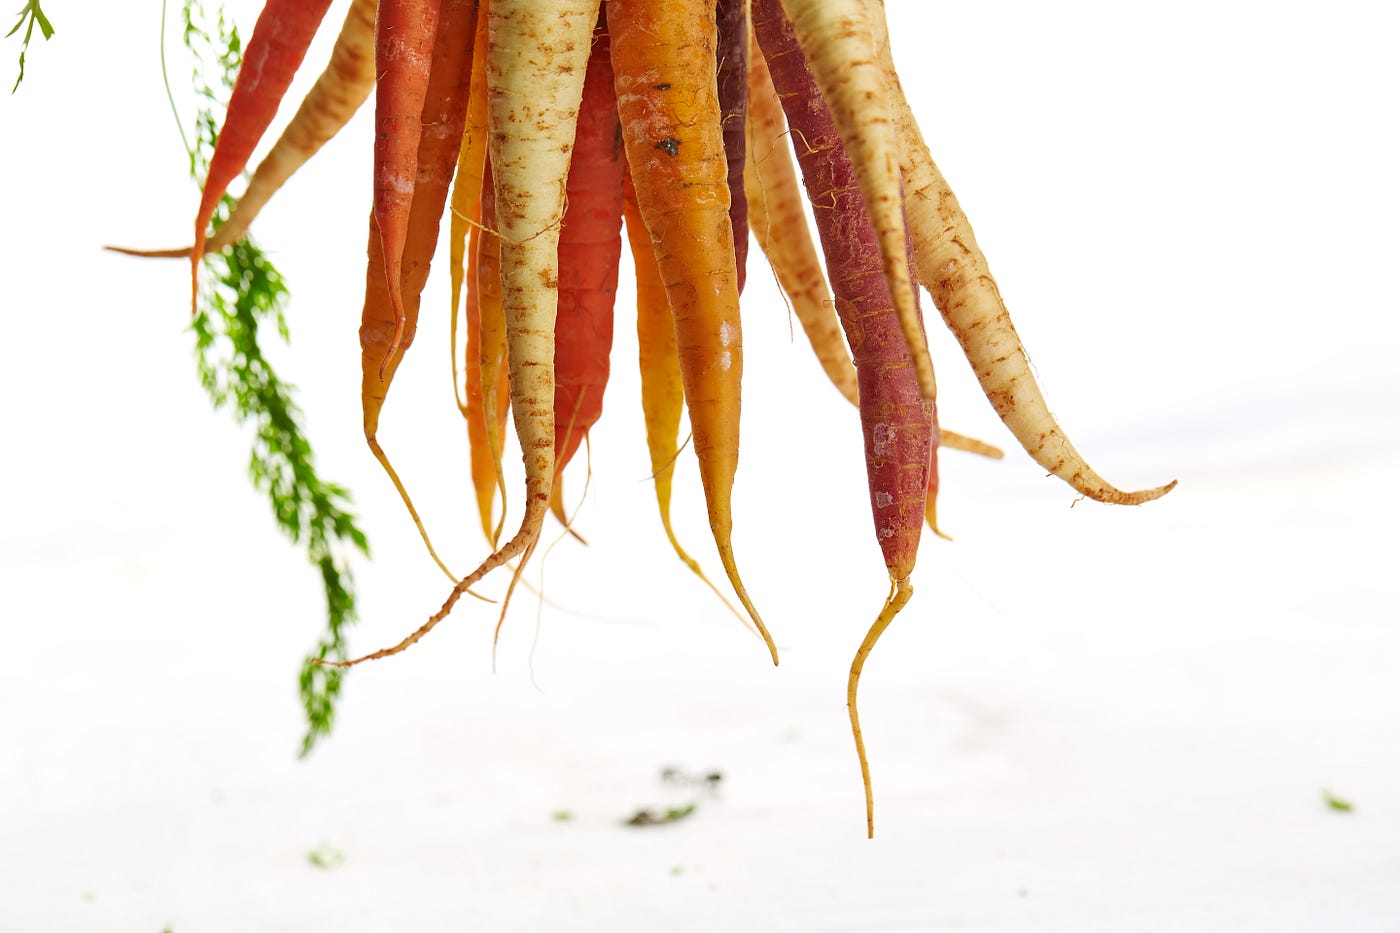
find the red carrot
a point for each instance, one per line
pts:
(434, 158)
(405, 31)
(274, 52)
(590, 245)
(897, 423)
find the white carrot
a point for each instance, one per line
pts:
(537, 56)
(951, 266)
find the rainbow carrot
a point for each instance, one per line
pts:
(274, 52)
(896, 421)
(433, 161)
(664, 63)
(405, 32)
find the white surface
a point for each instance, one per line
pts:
(1087, 719)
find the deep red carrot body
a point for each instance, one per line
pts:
(405, 32)
(590, 245)
(732, 51)
(896, 421)
(274, 52)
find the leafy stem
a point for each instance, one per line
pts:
(30, 15)
(241, 291)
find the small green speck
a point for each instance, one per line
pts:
(1338, 804)
(326, 857)
(562, 816)
(677, 870)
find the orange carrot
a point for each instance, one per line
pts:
(537, 57)
(405, 31)
(664, 63)
(274, 52)
(663, 394)
(433, 161)
(483, 472)
(491, 360)
(466, 193)
(896, 421)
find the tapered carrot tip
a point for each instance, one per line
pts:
(182, 252)
(731, 569)
(900, 591)
(1115, 496)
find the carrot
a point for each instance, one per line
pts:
(775, 205)
(434, 160)
(732, 82)
(836, 42)
(663, 394)
(404, 35)
(590, 245)
(466, 199)
(483, 473)
(491, 360)
(327, 107)
(664, 65)
(780, 226)
(274, 52)
(954, 270)
(537, 56)
(897, 423)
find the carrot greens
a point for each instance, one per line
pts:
(30, 15)
(243, 291)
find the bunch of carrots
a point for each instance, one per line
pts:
(554, 124)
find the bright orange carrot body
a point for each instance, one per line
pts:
(405, 31)
(274, 52)
(664, 64)
(433, 161)
(491, 359)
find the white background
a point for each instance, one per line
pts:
(1088, 718)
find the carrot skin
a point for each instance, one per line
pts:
(732, 28)
(953, 268)
(665, 72)
(405, 32)
(897, 422)
(275, 50)
(384, 336)
(780, 225)
(837, 44)
(466, 193)
(334, 98)
(590, 246)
